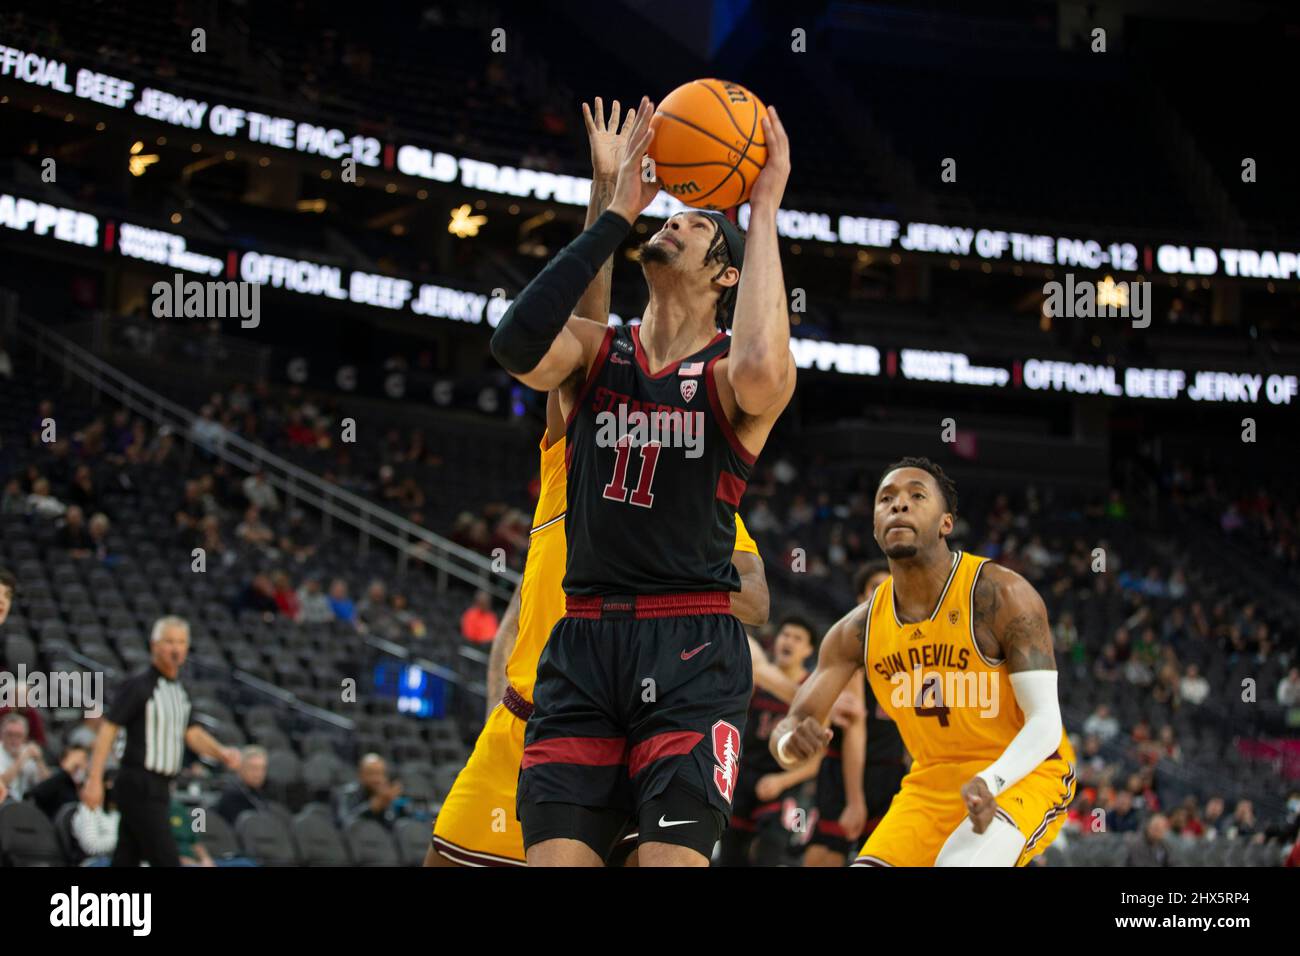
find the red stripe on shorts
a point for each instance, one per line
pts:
(587, 751)
(670, 744)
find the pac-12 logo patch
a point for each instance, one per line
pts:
(954, 617)
(689, 388)
(726, 752)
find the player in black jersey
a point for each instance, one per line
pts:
(759, 834)
(863, 766)
(641, 692)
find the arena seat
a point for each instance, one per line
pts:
(27, 837)
(319, 843)
(265, 838)
(370, 844)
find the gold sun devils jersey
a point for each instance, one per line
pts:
(951, 704)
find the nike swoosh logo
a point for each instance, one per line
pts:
(674, 823)
(687, 655)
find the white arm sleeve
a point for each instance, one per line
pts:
(1035, 692)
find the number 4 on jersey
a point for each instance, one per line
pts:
(616, 490)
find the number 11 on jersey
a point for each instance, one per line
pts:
(641, 496)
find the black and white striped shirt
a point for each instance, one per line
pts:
(154, 713)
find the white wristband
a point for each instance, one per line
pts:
(780, 748)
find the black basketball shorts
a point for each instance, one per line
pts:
(634, 694)
(830, 804)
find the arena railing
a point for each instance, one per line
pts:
(372, 522)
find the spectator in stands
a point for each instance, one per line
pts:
(261, 492)
(83, 735)
(1243, 820)
(1215, 819)
(298, 434)
(189, 845)
(83, 492)
(1101, 724)
(42, 503)
(245, 792)
(1194, 688)
(1168, 747)
(35, 722)
(208, 537)
(62, 786)
(98, 530)
(8, 592)
(295, 539)
(1151, 849)
(259, 596)
(6, 363)
(285, 597)
(1065, 634)
(207, 432)
(1184, 820)
(343, 607)
(121, 436)
(73, 536)
(254, 533)
(22, 765)
(411, 623)
(14, 501)
(372, 796)
(373, 612)
(316, 606)
(1106, 667)
(1122, 816)
(1288, 690)
(478, 624)
(190, 511)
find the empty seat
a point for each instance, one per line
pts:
(412, 839)
(27, 837)
(319, 842)
(370, 844)
(218, 836)
(264, 837)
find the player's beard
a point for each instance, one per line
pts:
(658, 253)
(902, 552)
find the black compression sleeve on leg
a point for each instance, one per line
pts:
(536, 317)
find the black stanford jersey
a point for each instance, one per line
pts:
(655, 474)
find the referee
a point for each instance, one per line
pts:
(154, 710)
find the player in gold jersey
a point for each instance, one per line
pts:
(958, 650)
(476, 825)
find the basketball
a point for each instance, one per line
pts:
(708, 145)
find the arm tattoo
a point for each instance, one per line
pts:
(1028, 643)
(858, 626)
(984, 612)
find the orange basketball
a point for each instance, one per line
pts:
(708, 145)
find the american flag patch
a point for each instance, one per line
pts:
(691, 368)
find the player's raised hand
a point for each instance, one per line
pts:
(980, 803)
(607, 138)
(769, 187)
(794, 742)
(637, 186)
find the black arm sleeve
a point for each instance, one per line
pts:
(534, 320)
